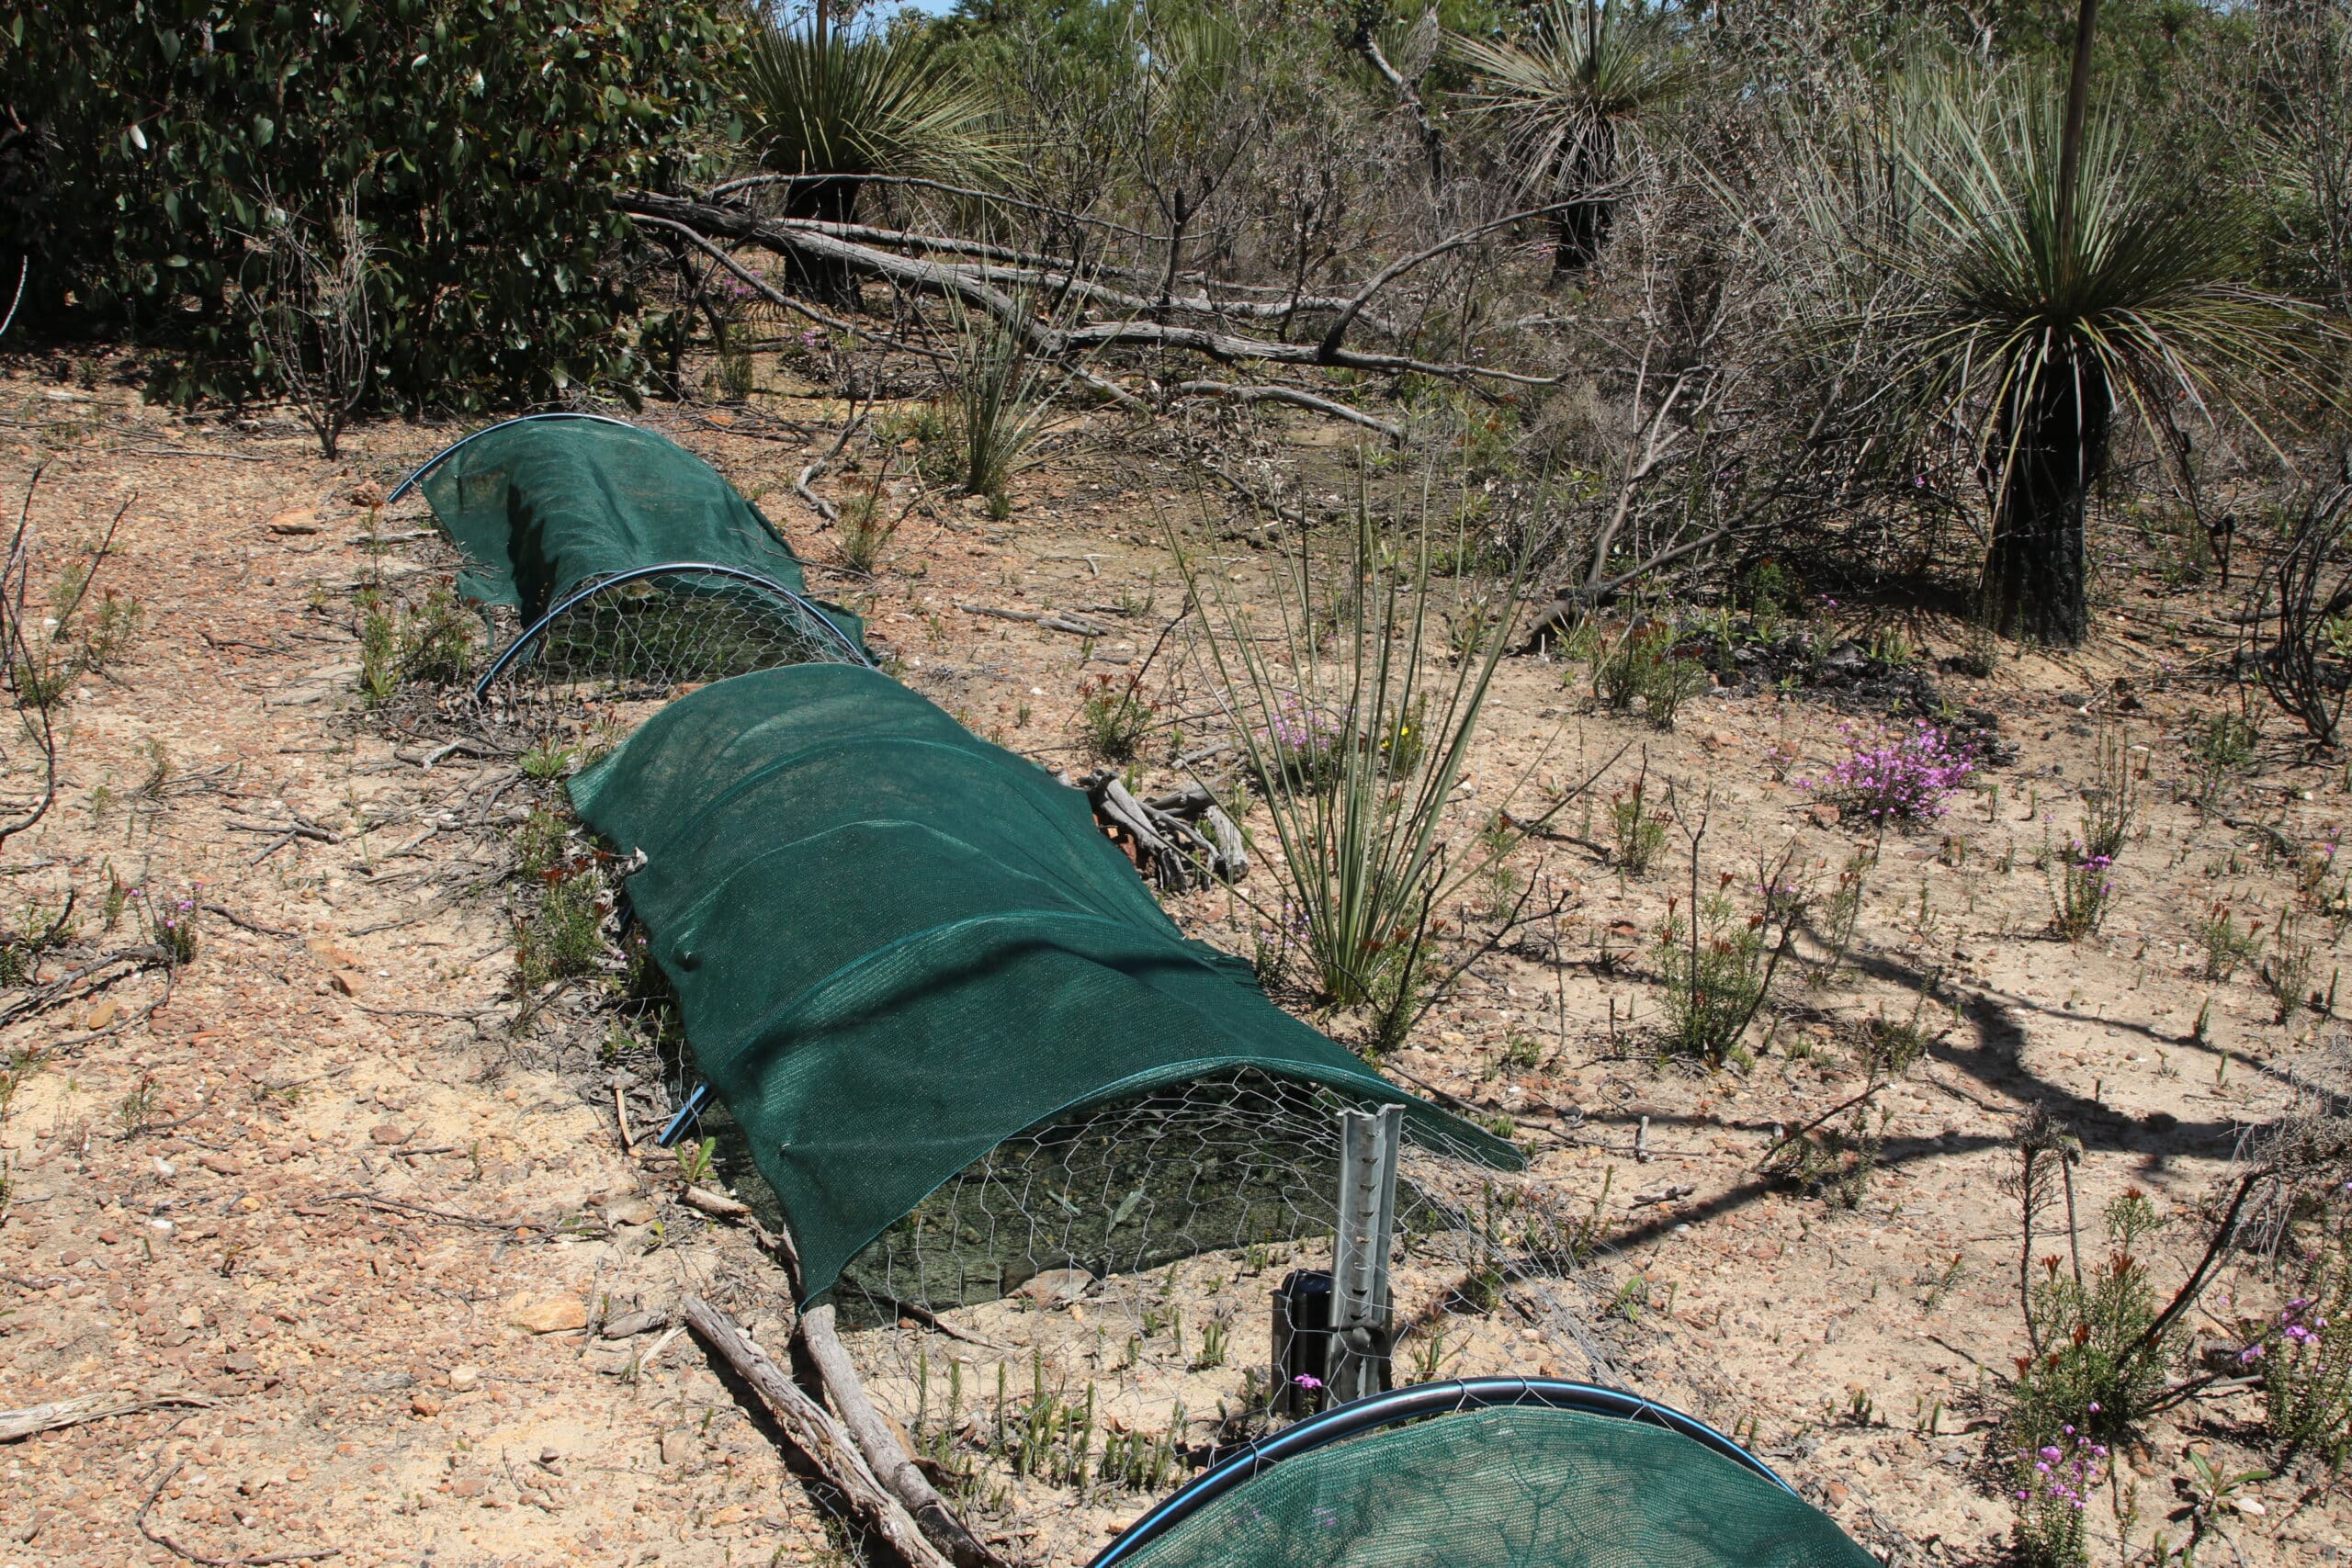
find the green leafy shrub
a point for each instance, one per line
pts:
(2227, 945)
(1643, 664)
(2102, 1338)
(1113, 718)
(563, 936)
(1639, 832)
(482, 141)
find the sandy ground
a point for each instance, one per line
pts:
(352, 1235)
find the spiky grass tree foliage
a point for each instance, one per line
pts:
(840, 106)
(1355, 728)
(2033, 291)
(1572, 96)
(1000, 402)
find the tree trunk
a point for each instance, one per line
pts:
(2049, 448)
(1582, 228)
(822, 279)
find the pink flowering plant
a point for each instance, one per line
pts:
(1301, 744)
(2081, 883)
(2054, 1483)
(1896, 779)
(2303, 1354)
(169, 918)
(2102, 1340)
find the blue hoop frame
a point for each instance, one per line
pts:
(1405, 1405)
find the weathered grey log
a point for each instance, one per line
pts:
(1232, 850)
(1175, 856)
(879, 1444)
(815, 1433)
(712, 220)
(57, 1413)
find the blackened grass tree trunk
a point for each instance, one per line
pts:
(2050, 448)
(1582, 226)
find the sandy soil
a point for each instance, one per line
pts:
(325, 1188)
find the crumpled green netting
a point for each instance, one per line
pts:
(896, 945)
(540, 506)
(1521, 1487)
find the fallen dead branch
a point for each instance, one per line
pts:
(85, 1408)
(1180, 841)
(812, 1429)
(706, 222)
(242, 922)
(60, 991)
(823, 508)
(243, 1560)
(418, 1211)
(1051, 620)
(719, 1206)
(1292, 395)
(881, 1446)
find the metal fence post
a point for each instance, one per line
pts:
(1362, 1331)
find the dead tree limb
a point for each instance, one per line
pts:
(1292, 395)
(708, 223)
(1051, 620)
(1062, 273)
(881, 1446)
(776, 296)
(815, 1433)
(57, 1413)
(720, 193)
(1365, 41)
(1347, 318)
(823, 508)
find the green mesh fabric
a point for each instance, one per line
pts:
(540, 506)
(1523, 1487)
(896, 945)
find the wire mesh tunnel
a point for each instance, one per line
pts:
(899, 951)
(629, 566)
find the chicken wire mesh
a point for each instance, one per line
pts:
(642, 633)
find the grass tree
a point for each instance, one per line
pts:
(833, 107)
(2028, 266)
(1571, 96)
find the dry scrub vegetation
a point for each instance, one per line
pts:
(1760, 604)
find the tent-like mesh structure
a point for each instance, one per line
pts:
(912, 965)
(1501, 1472)
(630, 564)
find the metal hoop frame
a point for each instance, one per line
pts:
(523, 638)
(1405, 1405)
(452, 449)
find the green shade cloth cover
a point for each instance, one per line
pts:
(1522, 1487)
(896, 945)
(540, 506)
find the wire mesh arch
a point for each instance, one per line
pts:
(657, 627)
